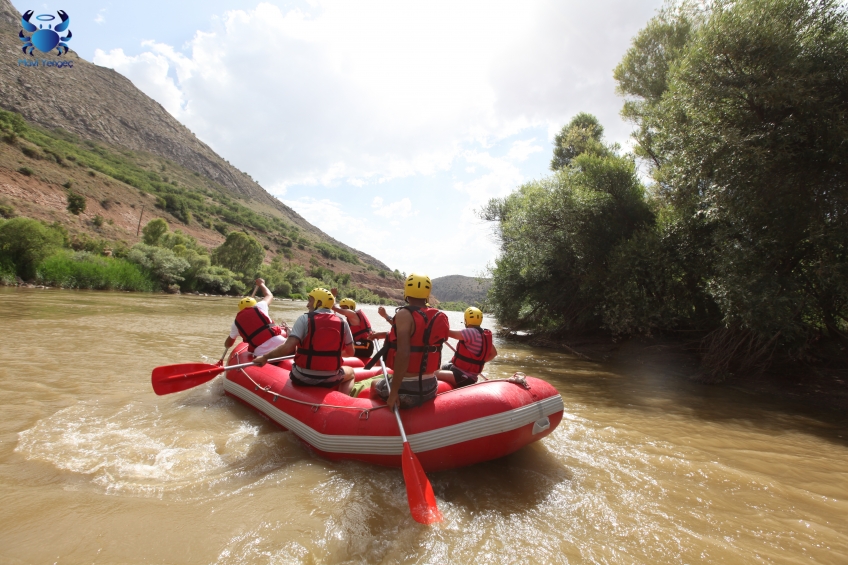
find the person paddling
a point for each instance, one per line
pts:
(360, 328)
(474, 349)
(414, 350)
(319, 339)
(254, 324)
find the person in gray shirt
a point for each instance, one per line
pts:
(319, 339)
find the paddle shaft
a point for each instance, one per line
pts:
(394, 408)
(243, 365)
(419, 493)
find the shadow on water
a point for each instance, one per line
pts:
(657, 380)
(510, 485)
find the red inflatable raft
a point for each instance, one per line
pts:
(460, 427)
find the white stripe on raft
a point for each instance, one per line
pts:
(392, 445)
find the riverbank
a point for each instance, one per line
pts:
(821, 385)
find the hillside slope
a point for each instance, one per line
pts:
(459, 288)
(123, 190)
(96, 103)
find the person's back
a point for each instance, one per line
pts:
(319, 338)
(474, 349)
(254, 325)
(414, 347)
(361, 331)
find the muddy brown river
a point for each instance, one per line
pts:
(646, 467)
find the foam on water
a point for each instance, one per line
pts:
(138, 450)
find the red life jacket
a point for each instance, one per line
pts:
(431, 327)
(467, 361)
(363, 329)
(321, 347)
(255, 327)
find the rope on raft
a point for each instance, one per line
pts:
(314, 406)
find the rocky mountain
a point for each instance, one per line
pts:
(459, 288)
(96, 103)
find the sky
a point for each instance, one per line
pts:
(387, 124)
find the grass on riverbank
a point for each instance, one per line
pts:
(85, 270)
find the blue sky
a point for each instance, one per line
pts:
(385, 123)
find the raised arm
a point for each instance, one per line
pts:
(382, 312)
(268, 297)
(352, 317)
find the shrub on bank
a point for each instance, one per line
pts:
(85, 270)
(24, 243)
(7, 275)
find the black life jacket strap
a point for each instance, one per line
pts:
(381, 354)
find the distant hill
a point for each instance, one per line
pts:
(454, 288)
(98, 104)
(90, 128)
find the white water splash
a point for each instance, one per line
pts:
(138, 450)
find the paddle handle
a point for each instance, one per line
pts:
(394, 408)
(243, 365)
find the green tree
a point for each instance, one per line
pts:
(557, 235)
(165, 265)
(582, 134)
(643, 73)
(24, 243)
(740, 111)
(240, 253)
(76, 203)
(220, 279)
(154, 229)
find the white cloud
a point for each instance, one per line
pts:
(149, 72)
(378, 90)
(502, 176)
(357, 99)
(333, 218)
(523, 148)
(400, 209)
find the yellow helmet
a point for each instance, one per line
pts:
(247, 302)
(324, 296)
(473, 316)
(349, 302)
(417, 286)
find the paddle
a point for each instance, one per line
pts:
(175, 378)
(419, 493)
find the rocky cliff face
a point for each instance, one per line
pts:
(98, 103)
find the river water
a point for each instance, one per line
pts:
(646, 467)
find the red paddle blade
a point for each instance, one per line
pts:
(175, 378)
(422, 501)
